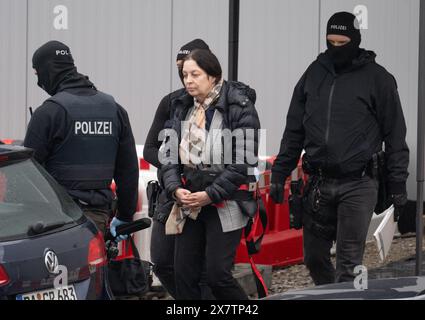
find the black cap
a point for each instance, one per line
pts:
(52, 61)
(345, 24)
(190, 46)
(52, 51)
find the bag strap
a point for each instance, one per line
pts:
(133, 247)
(254, 246)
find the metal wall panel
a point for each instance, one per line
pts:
(208, 20)
(13, 17)
(393, 33)
(123, 46)
(128, 49)
(276, 46)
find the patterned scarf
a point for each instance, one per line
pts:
(191, 150)
(194, 134)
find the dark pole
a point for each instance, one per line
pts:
(421, 141)
(233, 39)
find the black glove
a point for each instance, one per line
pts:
(399, 201)
(276, 192)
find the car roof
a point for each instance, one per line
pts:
(9, 152)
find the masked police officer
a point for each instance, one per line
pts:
(83, 138)
(343, 109)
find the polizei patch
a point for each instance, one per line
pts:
(338, 27)
(92, 128)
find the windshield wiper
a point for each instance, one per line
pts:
(40, 227)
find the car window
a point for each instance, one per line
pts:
(29, 195)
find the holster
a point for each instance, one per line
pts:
(314, 218)
(296, 205)
(380, 173)
(152, 192)
(159, 205)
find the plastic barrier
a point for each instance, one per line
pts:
(13, 142)
(281, 245)
(142, 238)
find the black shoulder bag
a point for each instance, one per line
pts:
(129, 276)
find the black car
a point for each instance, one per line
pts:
(48, 249)
(402, 288)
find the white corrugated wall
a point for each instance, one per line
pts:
(128, 49)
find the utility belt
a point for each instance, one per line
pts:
(371, 169)
(196, 180)
(305, 208)
(85, 206)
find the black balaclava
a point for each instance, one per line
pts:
(346, 24)
(54, 65)
(188, 48)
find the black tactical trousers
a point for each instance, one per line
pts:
(100, 217)
(162, 256)
(341, 210)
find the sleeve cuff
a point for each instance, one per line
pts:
(125, 218)
(215, 199)
(278, 178)
(172, 189)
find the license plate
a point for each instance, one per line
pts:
(63, 293)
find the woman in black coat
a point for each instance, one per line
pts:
(162, 246)
(217, 126)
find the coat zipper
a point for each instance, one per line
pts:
(329, 112)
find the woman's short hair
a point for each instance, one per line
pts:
(207, 61)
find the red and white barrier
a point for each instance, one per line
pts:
(281, 245)
(141, 238)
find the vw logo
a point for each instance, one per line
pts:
(51, 262)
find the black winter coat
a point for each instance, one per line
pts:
(162, 120)
(236, 103)
(341, 120)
